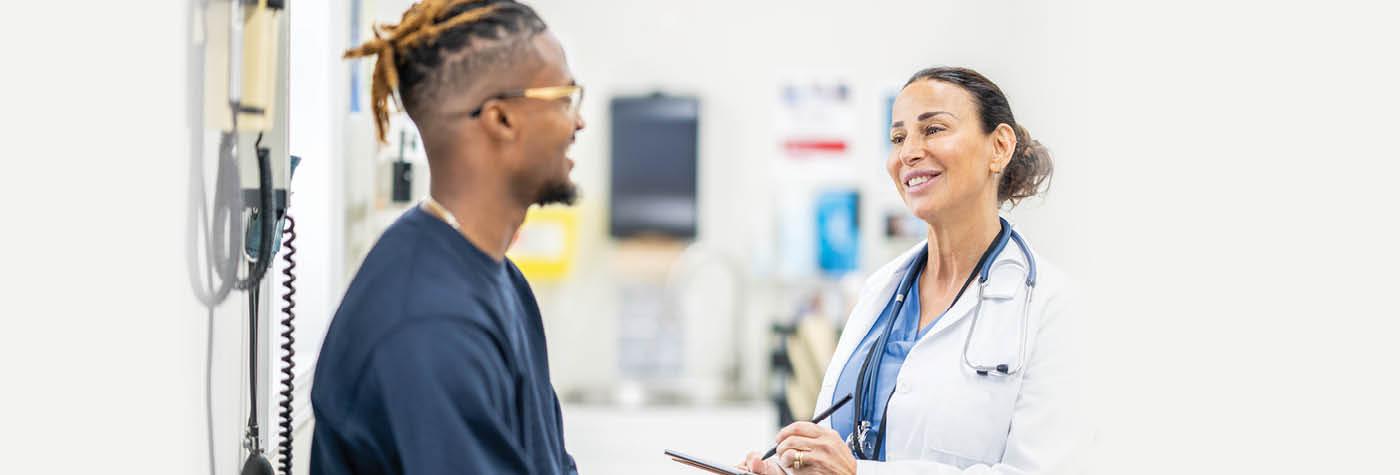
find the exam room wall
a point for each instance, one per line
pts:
(1230, 212)
(102, 345)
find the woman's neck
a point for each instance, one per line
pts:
(956, 243)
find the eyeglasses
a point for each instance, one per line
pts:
(573, 92)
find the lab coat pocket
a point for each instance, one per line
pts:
(976, 420)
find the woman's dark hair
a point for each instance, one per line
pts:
(1029, 170)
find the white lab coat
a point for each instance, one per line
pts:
(943, 417)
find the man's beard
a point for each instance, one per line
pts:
(563, 192)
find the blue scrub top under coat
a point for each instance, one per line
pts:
(902, 339)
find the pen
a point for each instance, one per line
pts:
(816, 420)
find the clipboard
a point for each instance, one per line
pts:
(705, 465)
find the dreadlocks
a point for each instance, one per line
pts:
(439, 43)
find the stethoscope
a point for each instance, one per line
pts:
(859, 442)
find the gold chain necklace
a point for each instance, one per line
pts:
(439, 211)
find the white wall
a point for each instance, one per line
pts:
(103, 346)
(1225, 198)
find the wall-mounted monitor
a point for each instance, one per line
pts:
(654, 166)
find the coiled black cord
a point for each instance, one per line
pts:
(284, 423)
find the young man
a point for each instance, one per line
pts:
(435, 361)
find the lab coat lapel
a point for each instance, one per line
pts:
(960, 309)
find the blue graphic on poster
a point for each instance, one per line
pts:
(838, 231)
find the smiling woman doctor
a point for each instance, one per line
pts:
(960, 352)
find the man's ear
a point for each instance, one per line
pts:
(498, 122)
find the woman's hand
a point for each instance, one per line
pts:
(759, 466)
(805, 448)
